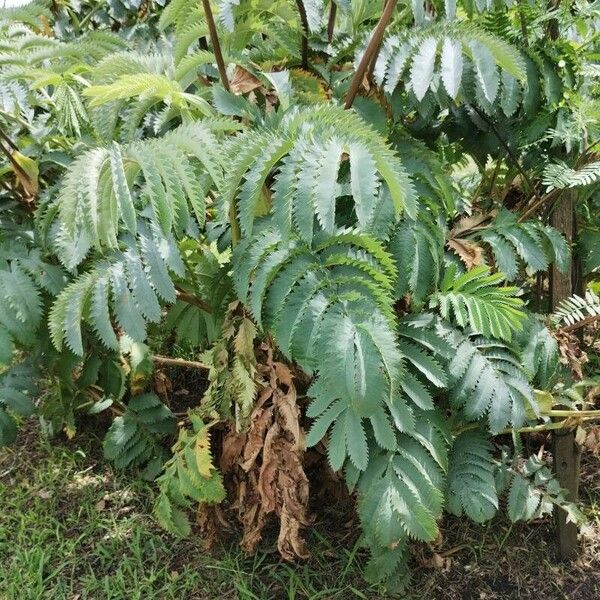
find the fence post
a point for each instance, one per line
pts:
(564, 447)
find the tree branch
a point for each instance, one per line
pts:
(370, 52)
(214, 40)
(304, 21)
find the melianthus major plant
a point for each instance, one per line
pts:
(329, 201)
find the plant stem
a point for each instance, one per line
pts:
(588, 414)
(214, 40)
(179, 362)
(331, 20)
(25, 179)
(304, 21)
(87, 17)
(371, 50)
(10, 143)
(523, 23)
(236, 234)
(509, 151)
(550, 196)
(191, 299)
(585, 415)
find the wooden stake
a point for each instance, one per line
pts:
(565, 450)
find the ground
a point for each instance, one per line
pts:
(71, 528)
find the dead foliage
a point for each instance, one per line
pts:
(571, 353)
(263, 467)
(471, 254)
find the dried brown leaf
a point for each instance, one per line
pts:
(243, 81)
(468, 223)
(471, 254)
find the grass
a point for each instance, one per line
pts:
(73, 529)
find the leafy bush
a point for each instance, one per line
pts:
(338, 263)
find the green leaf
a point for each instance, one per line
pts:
(485, 69)
(452, 66)
(6, 347)
(421, 72)
(523, 499)
(471, 484)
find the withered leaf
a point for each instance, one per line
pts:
(471, 254)
(243, 81)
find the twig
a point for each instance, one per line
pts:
(585, 321)
(214, 40)
(304, 21)
(14, 191)
(371, 50)
(373, 62)
(331, 20)
(549, 197)
(179, 362)
(509, 151)
(16, 119)
(89, 16)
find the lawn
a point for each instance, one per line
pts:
(71, 528)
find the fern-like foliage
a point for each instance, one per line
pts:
(462, 48)
(559, 175)
(418, 246)
(134, 437)
(535, 243)
(305, 155)
(128, 284)
(368, 248)
(533, 491)
(539, 353)
(476, 299)
(487, 380)
(576, 309)
(471, 484)
(188, 476)
(106, 188)
(325, 303)
(121, 183)
(18, 387)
